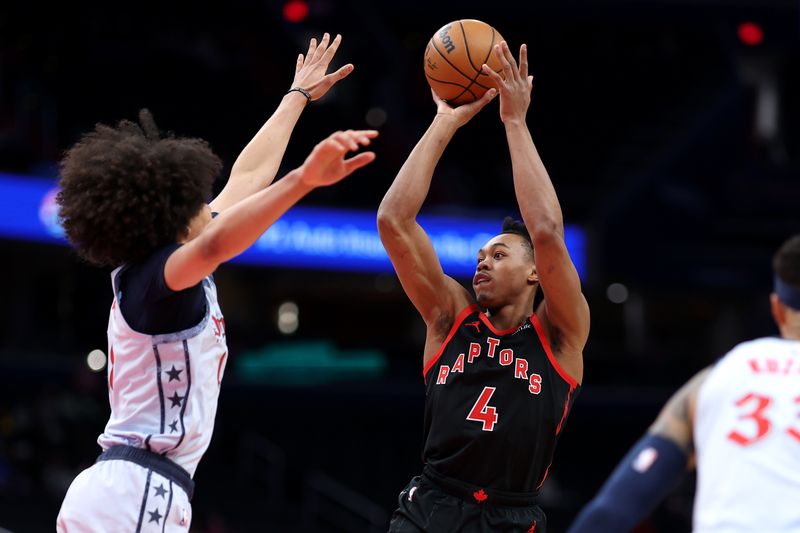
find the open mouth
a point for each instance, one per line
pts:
(480, 278)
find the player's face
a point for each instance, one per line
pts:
(505, 271)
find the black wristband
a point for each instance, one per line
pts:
(301, 91)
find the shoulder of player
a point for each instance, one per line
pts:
(562, 343)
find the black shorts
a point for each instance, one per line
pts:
(428, 506)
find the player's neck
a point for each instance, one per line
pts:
(790, 329)
(791, 333)
(510, 316)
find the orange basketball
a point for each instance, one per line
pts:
(453, 60)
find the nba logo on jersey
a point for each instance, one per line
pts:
(645, 460)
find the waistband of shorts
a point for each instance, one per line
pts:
(477, 494)
(153, 461)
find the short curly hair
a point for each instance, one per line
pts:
(517, 227)
(127, 190)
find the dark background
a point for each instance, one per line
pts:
(672, 143)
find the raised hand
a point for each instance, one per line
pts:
(515, 88)
(463, 113)
(310, 71)
(327, 165)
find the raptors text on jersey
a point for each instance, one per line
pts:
(496, 402)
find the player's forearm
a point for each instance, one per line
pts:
(536, 196)
(236, 229)
(407, 193)
(258, 163)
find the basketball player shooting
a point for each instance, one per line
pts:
(738, 421)
(134, 200)
(500, 377)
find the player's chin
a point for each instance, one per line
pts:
(483, 297)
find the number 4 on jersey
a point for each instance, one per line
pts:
(482, 412)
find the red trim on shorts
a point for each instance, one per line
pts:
(546, 345)
(456, 324)
(485, 320)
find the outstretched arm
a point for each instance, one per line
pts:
(234, 230)
(257, 165)
(436, 296)
(650, 471)
(566, 312)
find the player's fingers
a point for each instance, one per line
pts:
(329, 53)
(340, 74)
(332, 144)
(487, 97)
(323, 46)
(489, 71)
(370, 134)
(364, 137)
(358, 161)
(523, 61)
(347, 139)
(504, 64)
(299, 64)
(312, 47)
(509, 60)
(530, 82)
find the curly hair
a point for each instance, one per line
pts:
(129, 189)
(517, 227)
(786, 262)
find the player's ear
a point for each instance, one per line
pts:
(533, 276)
(778, 311)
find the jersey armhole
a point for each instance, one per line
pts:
(537, 325)
(471, 308)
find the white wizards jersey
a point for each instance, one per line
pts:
(163, 389)
(747, 436)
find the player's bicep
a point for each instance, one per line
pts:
(565, 305)
(676, 419)
(431, 291)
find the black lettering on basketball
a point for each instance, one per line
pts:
(444, 35)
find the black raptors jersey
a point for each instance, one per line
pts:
(496, 402)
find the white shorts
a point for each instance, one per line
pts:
(121, 496)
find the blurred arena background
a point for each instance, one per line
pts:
(671, 130)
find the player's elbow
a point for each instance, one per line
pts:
(546, 230)
(390, 222)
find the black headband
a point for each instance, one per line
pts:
(787, 294)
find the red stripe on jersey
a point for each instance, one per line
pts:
(566, 410)
(489, 325)
(456, 324)
(546, 471)
(111, 373)
(573, 384)
(219, 368)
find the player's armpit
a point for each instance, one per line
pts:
(436, 296)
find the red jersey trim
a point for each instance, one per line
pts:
(546, 345)
(485, 320)
(566, 410)
(456, 324)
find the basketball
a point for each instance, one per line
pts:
(453, 60)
